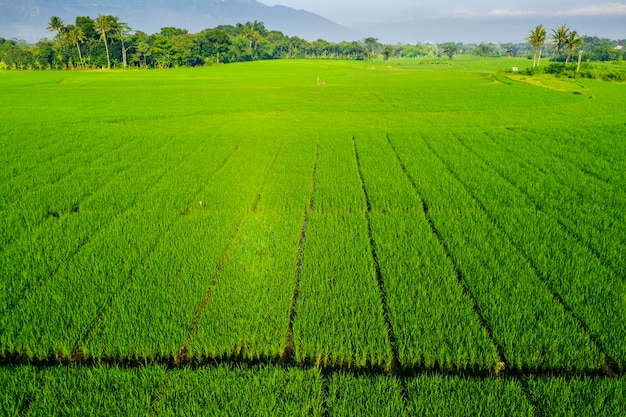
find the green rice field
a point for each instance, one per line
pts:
(312, 237)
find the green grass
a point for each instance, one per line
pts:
(439, 222)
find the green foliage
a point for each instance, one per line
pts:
(472, 220)
(435, 395)
(579, 397)
(589, 71)
(258, 391)
(362, 396)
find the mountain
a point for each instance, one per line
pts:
(28, 19)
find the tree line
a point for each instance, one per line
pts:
(107, 42)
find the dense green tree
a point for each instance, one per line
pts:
(170, 32)
(486, 49)
(162, 51)
(388, 51)
(213, 43)
(449, 48)
(371, 45)
(143, 48)
(92, 44)
(251, 33)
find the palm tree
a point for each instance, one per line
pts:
(76, 37)
(573, 42)
(536, 37)
(56, 24)
(559, 37)
(250, 32)
(103, 25)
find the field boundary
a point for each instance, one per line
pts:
(139, 362)
(288, 352)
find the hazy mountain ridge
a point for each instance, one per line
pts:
(28, 19)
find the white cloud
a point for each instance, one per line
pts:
(463, 13)
(608, 9)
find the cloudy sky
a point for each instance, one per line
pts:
(468, 20)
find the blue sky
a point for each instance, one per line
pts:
(354, 12)
(391, 21)
(472, 21)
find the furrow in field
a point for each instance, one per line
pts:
(58, 314)
(38, 260)
(288, 353)
(340, 318)
(588, 210)
(557, 258)
(531, 330)
(325, 376)
(564, 145)
(395, 362)
(423, 276)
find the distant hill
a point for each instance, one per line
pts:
(27, 19)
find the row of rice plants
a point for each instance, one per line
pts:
(248, 312)
(583, 283)
(76, 391)
(433, 320)
(428, 395)
(338, 186)
(57, 315)
(34, 166)
(242, 391)
(44, 204)
(271, 391)
(41, 252)
(588, 207)
(531, 330)
(602, 160)
(153, 315)
(56, 187)
(288, 187)
(591, 397)
(339, 315)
